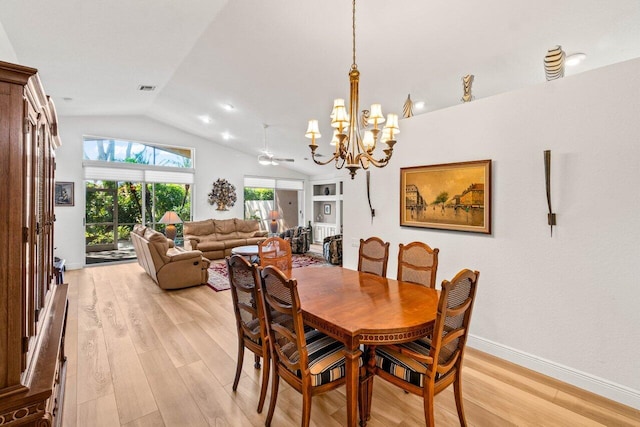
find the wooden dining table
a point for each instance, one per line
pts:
(360, 308)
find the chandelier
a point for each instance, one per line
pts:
(353, 150)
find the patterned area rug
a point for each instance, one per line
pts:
(219, 278)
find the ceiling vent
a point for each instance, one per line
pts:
(146, 88)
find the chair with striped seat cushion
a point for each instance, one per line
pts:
(250, 321)
(427, 366)
(308, 360)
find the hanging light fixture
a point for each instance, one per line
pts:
(352, 149)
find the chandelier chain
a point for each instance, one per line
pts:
(353, 26)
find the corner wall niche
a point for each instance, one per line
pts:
(327, 209)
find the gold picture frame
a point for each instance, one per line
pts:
(451, 196)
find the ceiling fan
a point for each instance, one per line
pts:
(266, 158)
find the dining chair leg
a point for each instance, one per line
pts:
(239, 364)
(457, 391)
(256, 363)
(428, 406)
(274, 396)
(306, 407)
(265, 379)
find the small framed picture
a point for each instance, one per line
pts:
(64, 194)
(327, 209)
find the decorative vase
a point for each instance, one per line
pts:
(222, 207)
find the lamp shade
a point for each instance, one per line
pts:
(376, 115)
(312, 130)
(170, 217)
(273, 215)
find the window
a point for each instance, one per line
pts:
(263, 195)
(130, 182)
(119, 151)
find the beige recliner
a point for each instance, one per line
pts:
(169, 267)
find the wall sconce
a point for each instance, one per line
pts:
(274, 224)
(551, 217)
(169, 218)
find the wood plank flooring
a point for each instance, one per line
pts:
(140, 356)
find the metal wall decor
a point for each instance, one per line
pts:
(551, 217)
(223, 194)
(467, 81)
(554, 63)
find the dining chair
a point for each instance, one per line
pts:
(250, 321)
(277, 252)
(418, 263)
(308, 360)
(373, 256)
(429, 365)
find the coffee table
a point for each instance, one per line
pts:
(248, 251)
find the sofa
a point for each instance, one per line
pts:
(298, 238)
(332, 249)
(168, 266)
(216, 237)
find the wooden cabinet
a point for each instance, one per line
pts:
(32, 306)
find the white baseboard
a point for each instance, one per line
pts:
(73, 266)
(600, 386)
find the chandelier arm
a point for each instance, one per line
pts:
(321, 163)
(377, 163)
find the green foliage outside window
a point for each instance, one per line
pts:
(100, 207)
(251, 193)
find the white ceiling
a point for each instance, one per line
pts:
(282, 62)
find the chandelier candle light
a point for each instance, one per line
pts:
(351, 149)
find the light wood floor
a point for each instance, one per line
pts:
(141, 356)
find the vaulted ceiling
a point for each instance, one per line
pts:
(282, 62)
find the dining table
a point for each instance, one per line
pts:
(359, 308)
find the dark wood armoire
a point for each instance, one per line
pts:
(32, 307)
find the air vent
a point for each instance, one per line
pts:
(146, 88)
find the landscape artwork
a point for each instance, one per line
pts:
(453, 196)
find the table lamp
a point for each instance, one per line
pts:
(274, 224)
(170, 218)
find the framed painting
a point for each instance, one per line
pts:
(327, 209)
(452, 196)
(64, 194)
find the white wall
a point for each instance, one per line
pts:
(565, 305)
(7, 53)
(212, 161)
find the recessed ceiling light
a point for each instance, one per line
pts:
(146, 88)
(228, 107)
(419, 105)
(66, 98)
(574, 59)
(226, 136)
(205, 119)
